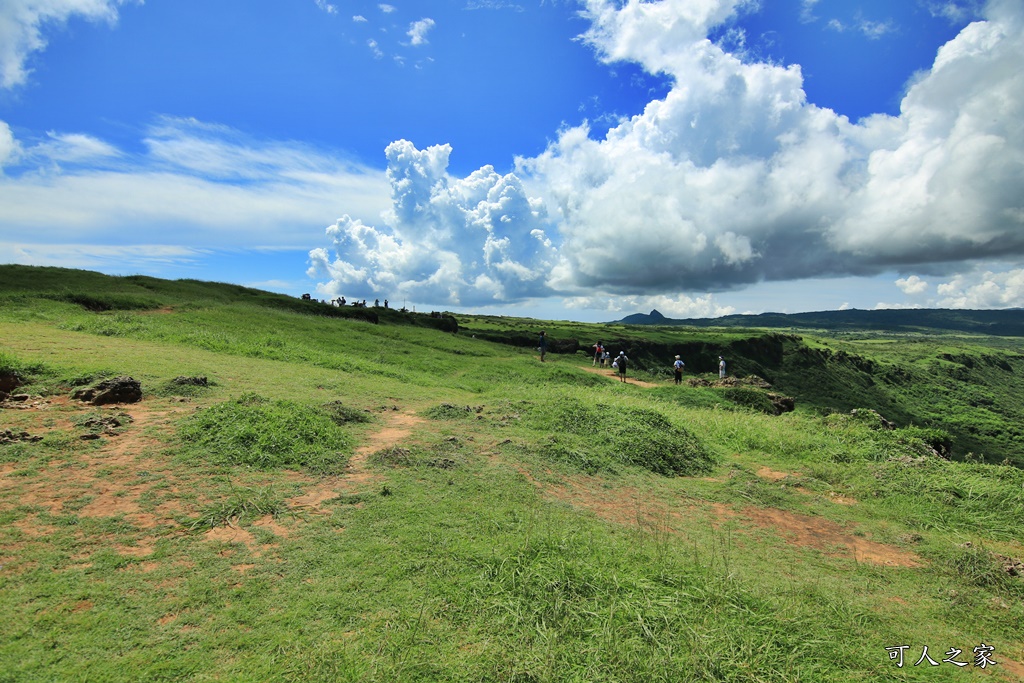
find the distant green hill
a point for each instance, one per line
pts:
(1003, 323)
(97, 292)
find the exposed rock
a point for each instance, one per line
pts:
(783, 404)
(10, 436)
(116, 390)
(442, 463)
(108, 423)
(9, 381)
(200, 381)
(1011, 565)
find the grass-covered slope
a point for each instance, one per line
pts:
(307, 498)
(971, 387)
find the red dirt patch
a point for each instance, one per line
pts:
(829, 537)
(629, 506)
(231, 534)
(398, 427)
(767, 473)
(773, 475)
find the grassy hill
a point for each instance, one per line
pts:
(305, 496)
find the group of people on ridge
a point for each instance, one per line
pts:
(621, 361)
(601, 356)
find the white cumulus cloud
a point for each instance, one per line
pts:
(418, 31)
(458, 241)
(984, 289)
(731, 179)
(912, 285)
(734, 177)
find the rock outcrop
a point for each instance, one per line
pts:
(116, 390)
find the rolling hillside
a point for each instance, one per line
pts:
(304, 494)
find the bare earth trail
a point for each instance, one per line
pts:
(398, 427)
(612, 374)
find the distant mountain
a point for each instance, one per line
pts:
(652, 318)
(1004, 323)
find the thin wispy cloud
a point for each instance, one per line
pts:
(204, 184)
(21, 29)
(807, 11)
(326, 6)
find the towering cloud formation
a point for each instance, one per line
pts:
(472, 241)
(730, 179)
(734, 177)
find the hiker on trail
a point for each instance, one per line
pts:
(598, 352)
(621, 361)
(543, 346)
(376, 303)
(678, 367)
(606, 357)
(385, 303)
(721, 368)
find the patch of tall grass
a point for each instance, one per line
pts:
(596, 436)
(266, 434)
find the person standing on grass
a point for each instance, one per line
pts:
(621, 361)
(598, 352)
(721, 368)
(543, 345)
(678, 367)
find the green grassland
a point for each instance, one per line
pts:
(349, 500)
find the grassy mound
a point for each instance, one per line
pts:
(603, 437)
(258, 432)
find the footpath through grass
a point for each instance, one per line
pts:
(342, 501)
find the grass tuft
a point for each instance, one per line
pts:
(243, 504)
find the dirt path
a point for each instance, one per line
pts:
(612, 374)
(398, 426)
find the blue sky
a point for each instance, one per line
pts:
(568, 159)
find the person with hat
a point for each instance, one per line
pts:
(620, 362)
(721, 368)
(678, 368)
